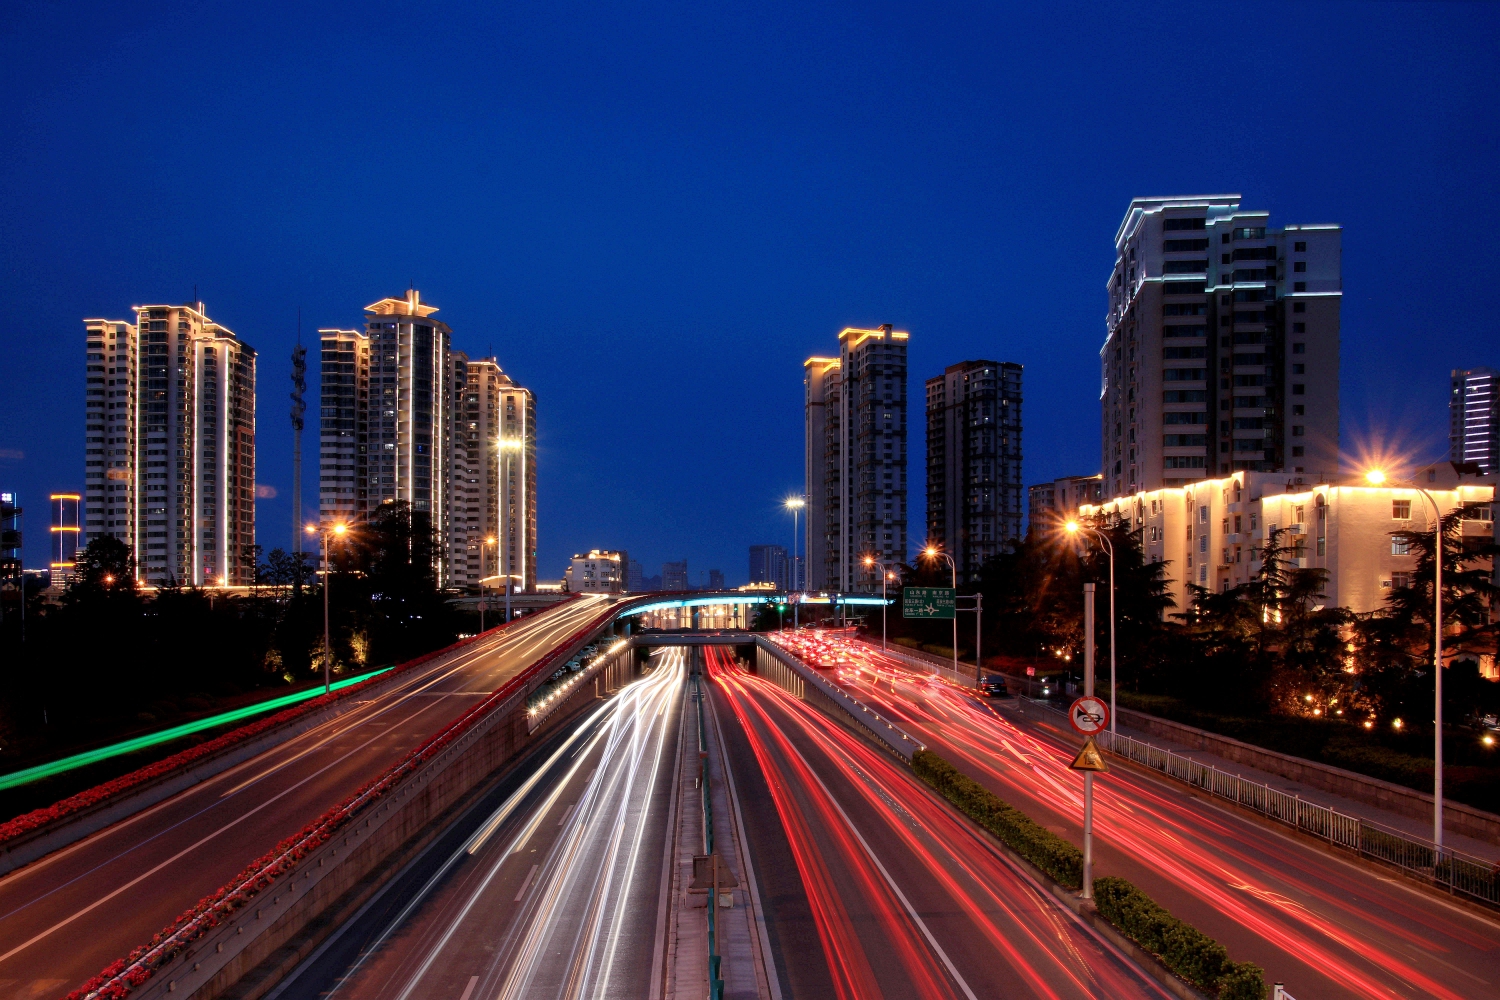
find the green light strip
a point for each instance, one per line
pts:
(167, 735)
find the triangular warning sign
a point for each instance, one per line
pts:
(1089, 758)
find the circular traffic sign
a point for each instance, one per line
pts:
(1088, 716)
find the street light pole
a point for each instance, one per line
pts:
(334, 529)
(1073, 528)
(795, 505)
(885, 574)
(933, 553)
(1088, 776)
(1376, 478)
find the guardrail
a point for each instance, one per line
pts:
(1460, 873)
(280, 867)
(715, 960)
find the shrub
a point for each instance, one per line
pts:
(1183, 948)
(1043, 848)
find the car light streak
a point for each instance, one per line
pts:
(1027, 932)
(1326, 917)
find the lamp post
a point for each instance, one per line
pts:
(1375, 477)
(1073, 528)
(483, 599)
(931, 552)
(338, 528)
(885, 574)
(795, 505)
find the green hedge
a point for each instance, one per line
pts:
(1181, 947)
(1043, 848)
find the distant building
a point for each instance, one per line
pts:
(10, 541)
(856, 459)
(635, 577)
(1213, 533)
(674, 576)
(1222, 352)
(169, 445)
(597, 572)
(1050, 504)
(1474, 418)
(974, 461)
(65, 534)
(769, 564)
(716, 580)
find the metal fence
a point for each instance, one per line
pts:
(1460, 873)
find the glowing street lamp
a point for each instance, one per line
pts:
(795, 505)
(1073, 528)
(338, 528)
(932, 553)
(885, 574)
(1376, 477)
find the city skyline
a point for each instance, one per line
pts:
(1017, 225)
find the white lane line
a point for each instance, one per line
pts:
(526, 884)
(566, 813)
(469, 990)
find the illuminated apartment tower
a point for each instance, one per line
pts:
(170, 454)
(856, 458)
(343, 434)
(517, 483)
(65, 535)
(974, 461)
(1474, 418)
(1222, 350)
(475, 478)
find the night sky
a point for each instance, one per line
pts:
(652, 213)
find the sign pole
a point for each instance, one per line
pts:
(1088, 776)
(978, 654)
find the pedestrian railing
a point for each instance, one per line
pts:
(1462, 874)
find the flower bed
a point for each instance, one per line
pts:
(87, 799)
(123, 975)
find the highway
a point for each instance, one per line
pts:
(67, 915)
(873, 888)
(549, 888)
(1326, 926)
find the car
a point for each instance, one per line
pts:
(993, 685)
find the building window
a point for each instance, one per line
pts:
(1298, 389)
(1296, 430)
(1299, 410)
(1299, 307)
(1401, 510)
(1400, 545)
(1297, 452)
(1400, 580)
(1299, 369)
(1299, 286)
(1300, 265)
(1299, 328)
(1299, 247)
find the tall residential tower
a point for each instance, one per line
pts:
(974, 461)
(1222, 352)
(169, 445)
(1474, 418)
(856, 459)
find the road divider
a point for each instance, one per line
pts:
(282, 896)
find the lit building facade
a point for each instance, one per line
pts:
(856, 459)
(769, 564)
(1212, 533)
(1222, 346)
(169, 453)
(597, 572)
(1474, 418)
(66, 533)
(974, 461)
(517, 427)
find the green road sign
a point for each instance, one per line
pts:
(927, 602)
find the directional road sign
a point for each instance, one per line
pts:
(928, 602)
(1089, 715)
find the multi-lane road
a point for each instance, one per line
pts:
(66, 916)
(872, 888)
(1326, 926)
(551, 887)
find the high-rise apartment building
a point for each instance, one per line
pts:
(169, 445)
(66, 532)
(517, 431)
(1051, 504)
(974, 461)
(769, 564)
(1474, 418)
(856, 459)
(674, 576)
(1222, 351)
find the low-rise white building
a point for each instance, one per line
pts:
(1212, 532)
(598, 572)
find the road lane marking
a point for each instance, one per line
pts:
(474, 980)
(526, 884)
(566, 813)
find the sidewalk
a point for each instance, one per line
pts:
(1056, 724)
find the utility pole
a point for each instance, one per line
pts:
(1088, 776)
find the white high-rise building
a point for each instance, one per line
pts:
(169, 445)
(1474, 418)
(856, 459)
(1222, 350)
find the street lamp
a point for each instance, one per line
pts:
(795, 505)
(1073, 528)
(1376, 477)
(338, 528)
(931, 552)
(885, 574)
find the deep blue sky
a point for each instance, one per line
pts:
(654, 212)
